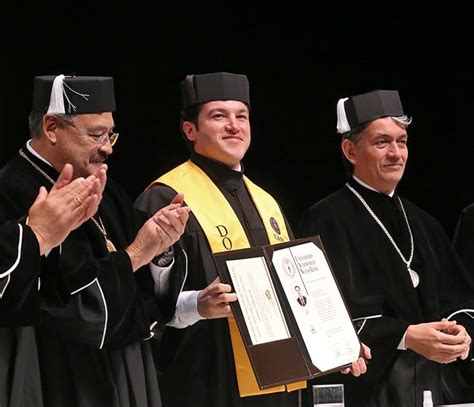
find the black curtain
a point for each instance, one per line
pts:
(299, 63)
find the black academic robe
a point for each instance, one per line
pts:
(196, 364)
(464, 237)
(376, 285)
(89, 348)
(19, 273)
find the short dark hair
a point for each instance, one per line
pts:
(190, 114)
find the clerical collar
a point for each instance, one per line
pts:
(219, 173)
(372, 189)
(35, 153)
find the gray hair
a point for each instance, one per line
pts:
(35, 122)
(355, 135)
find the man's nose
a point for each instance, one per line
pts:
(106, 147)
(394, 150)
(232, 124)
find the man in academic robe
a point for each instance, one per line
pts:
(396, 267)
(50, 219)
(198, 364)
(99, 301)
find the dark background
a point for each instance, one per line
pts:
(299, 59)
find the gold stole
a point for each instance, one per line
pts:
(224, 232)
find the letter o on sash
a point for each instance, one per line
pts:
(227, 243)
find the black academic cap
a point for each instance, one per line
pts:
(357, 110)
(73, 94)
(204, 88)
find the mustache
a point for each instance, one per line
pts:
(99, 157)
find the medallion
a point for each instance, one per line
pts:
(415, 278)
(110, 246)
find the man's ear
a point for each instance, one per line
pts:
(349, 150)
(50, 127)
(189, 129)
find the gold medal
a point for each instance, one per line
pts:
(110, 246)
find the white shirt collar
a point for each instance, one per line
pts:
(33, 151)
(372, 189)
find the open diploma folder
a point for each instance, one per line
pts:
(290, 312)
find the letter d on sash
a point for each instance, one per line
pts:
(223, 232)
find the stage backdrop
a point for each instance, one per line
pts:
(299, 64)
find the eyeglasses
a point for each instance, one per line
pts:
(100, 139)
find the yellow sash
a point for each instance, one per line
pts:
(224, 232)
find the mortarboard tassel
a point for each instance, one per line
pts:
(56, 100)
(58, 93)
(342, 123)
